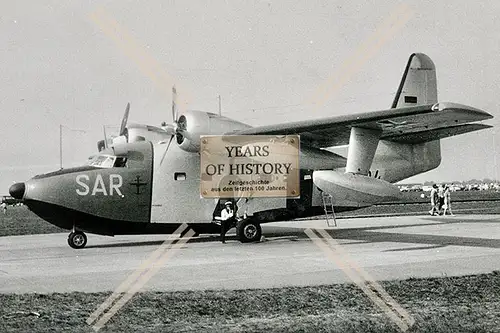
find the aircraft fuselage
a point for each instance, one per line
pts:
(152, 193)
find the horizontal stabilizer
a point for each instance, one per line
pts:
(393, 124)
(436, 134)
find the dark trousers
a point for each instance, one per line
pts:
(224, 227)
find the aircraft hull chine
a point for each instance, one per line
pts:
(68, 219)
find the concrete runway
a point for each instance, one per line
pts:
(386, 248)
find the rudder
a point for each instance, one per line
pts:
(418, 85)
(397, 161)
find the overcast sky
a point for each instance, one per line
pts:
(77, 64)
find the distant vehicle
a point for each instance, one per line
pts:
(412, 188)
(9, 200)
(150, 182)
(404, 188)
(416, 188)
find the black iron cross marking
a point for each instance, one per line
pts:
(138, 184)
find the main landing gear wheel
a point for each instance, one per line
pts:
(248, 231)
(77, 239)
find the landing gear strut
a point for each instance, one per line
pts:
(248, 231)
(77, 239)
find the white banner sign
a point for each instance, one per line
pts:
(235, 166)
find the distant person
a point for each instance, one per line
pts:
(434, 201)
(227, 217)
(4, 207)
(441, 197)
(447, 201)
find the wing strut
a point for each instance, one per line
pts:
(363, 143)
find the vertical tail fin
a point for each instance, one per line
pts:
(397, 161)
(418, 85)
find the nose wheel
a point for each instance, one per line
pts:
(77, 239)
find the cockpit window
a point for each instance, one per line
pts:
(103, 161)
(120, 162)
(131, 156)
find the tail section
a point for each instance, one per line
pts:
(418, 85)
(395, 161)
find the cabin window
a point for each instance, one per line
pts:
(180, 176)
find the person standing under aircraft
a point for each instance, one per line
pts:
(447, 201)
(227, 217)
(434, 200)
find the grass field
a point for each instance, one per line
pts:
(448, 304)
(20, 221)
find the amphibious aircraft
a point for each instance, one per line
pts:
(148, 180)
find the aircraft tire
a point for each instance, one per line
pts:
(77, 239)
(248, 231)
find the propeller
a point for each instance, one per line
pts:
(177, 127)
(122, 136)
(123, 126)
(175, 111)
(173, 128)
(168, 146)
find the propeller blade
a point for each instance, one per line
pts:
(123, 127)
(169, 129)
(174, 105)
(168, 146)
(105, 137)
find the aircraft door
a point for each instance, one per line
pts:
(138, 182)
(301, 206)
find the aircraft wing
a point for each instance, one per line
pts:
(414, 124)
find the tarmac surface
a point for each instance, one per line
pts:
(385, 247)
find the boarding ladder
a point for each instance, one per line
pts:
(329, 211)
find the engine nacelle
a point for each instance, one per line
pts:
(141, 132)
(193, 124)
(136, 133)
(354, 189)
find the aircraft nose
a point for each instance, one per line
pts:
(17, 190)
